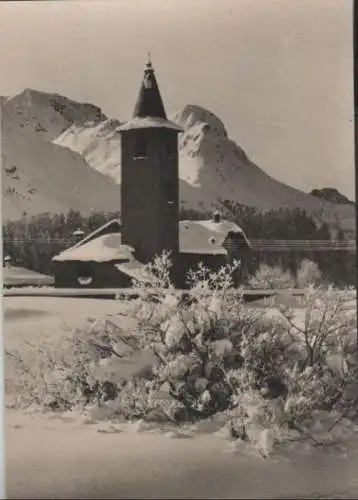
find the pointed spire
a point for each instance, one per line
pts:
(149, 102)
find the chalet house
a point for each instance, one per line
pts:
(112, 256)
(100, 260)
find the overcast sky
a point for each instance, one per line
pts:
(279, 73)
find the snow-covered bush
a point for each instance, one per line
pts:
(271, 277)
(308, 274)
(65, 374)
(212, 349)
(210, 355)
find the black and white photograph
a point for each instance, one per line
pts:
(179, 249)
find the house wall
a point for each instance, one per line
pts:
(150, 192)
(241, 275)
(104, 275)
(237, 249)
(188, 261)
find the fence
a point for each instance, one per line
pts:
(257, 245)
(303, 245)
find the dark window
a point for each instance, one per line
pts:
(171, 191)
(140, 149)
(171, 147)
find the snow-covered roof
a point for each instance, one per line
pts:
(105, 243)
(13, 275)
(132, 268)
(149, 101)
(148, 122)
(149, 110)
(207, 236)
(104, 248)
(112, 226)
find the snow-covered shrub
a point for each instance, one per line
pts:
(268, 374)
(325, 371)
(308, 274)
(271, 277)
(75, 371)
(213, 350)
(192, 340)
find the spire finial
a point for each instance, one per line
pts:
(149, 101)
(149, 62)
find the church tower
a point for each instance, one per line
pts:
(150, 175)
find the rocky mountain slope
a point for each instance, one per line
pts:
(40, 176)
(210, 160)
(53, 141)
(99, 144)
(331, 194)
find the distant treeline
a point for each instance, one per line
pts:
(31, 242)
(337, 267)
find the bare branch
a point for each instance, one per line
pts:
(105, 348)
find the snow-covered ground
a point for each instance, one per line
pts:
(39, 318)
(63, 457)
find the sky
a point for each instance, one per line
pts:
(279, 73)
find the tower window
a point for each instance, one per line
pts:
(170, 147)
(140, 148)
(171, 192)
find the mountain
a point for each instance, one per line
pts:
(49, 114)
(40, 176)
(213, 162)
(98, 143)
(48, 136)
(331, 194)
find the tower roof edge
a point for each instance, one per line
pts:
(148, 122)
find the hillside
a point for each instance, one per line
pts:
(49, 114)
(331, 194)
(99, 144)
(39, 176)
(210, 160)
(78, 136)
